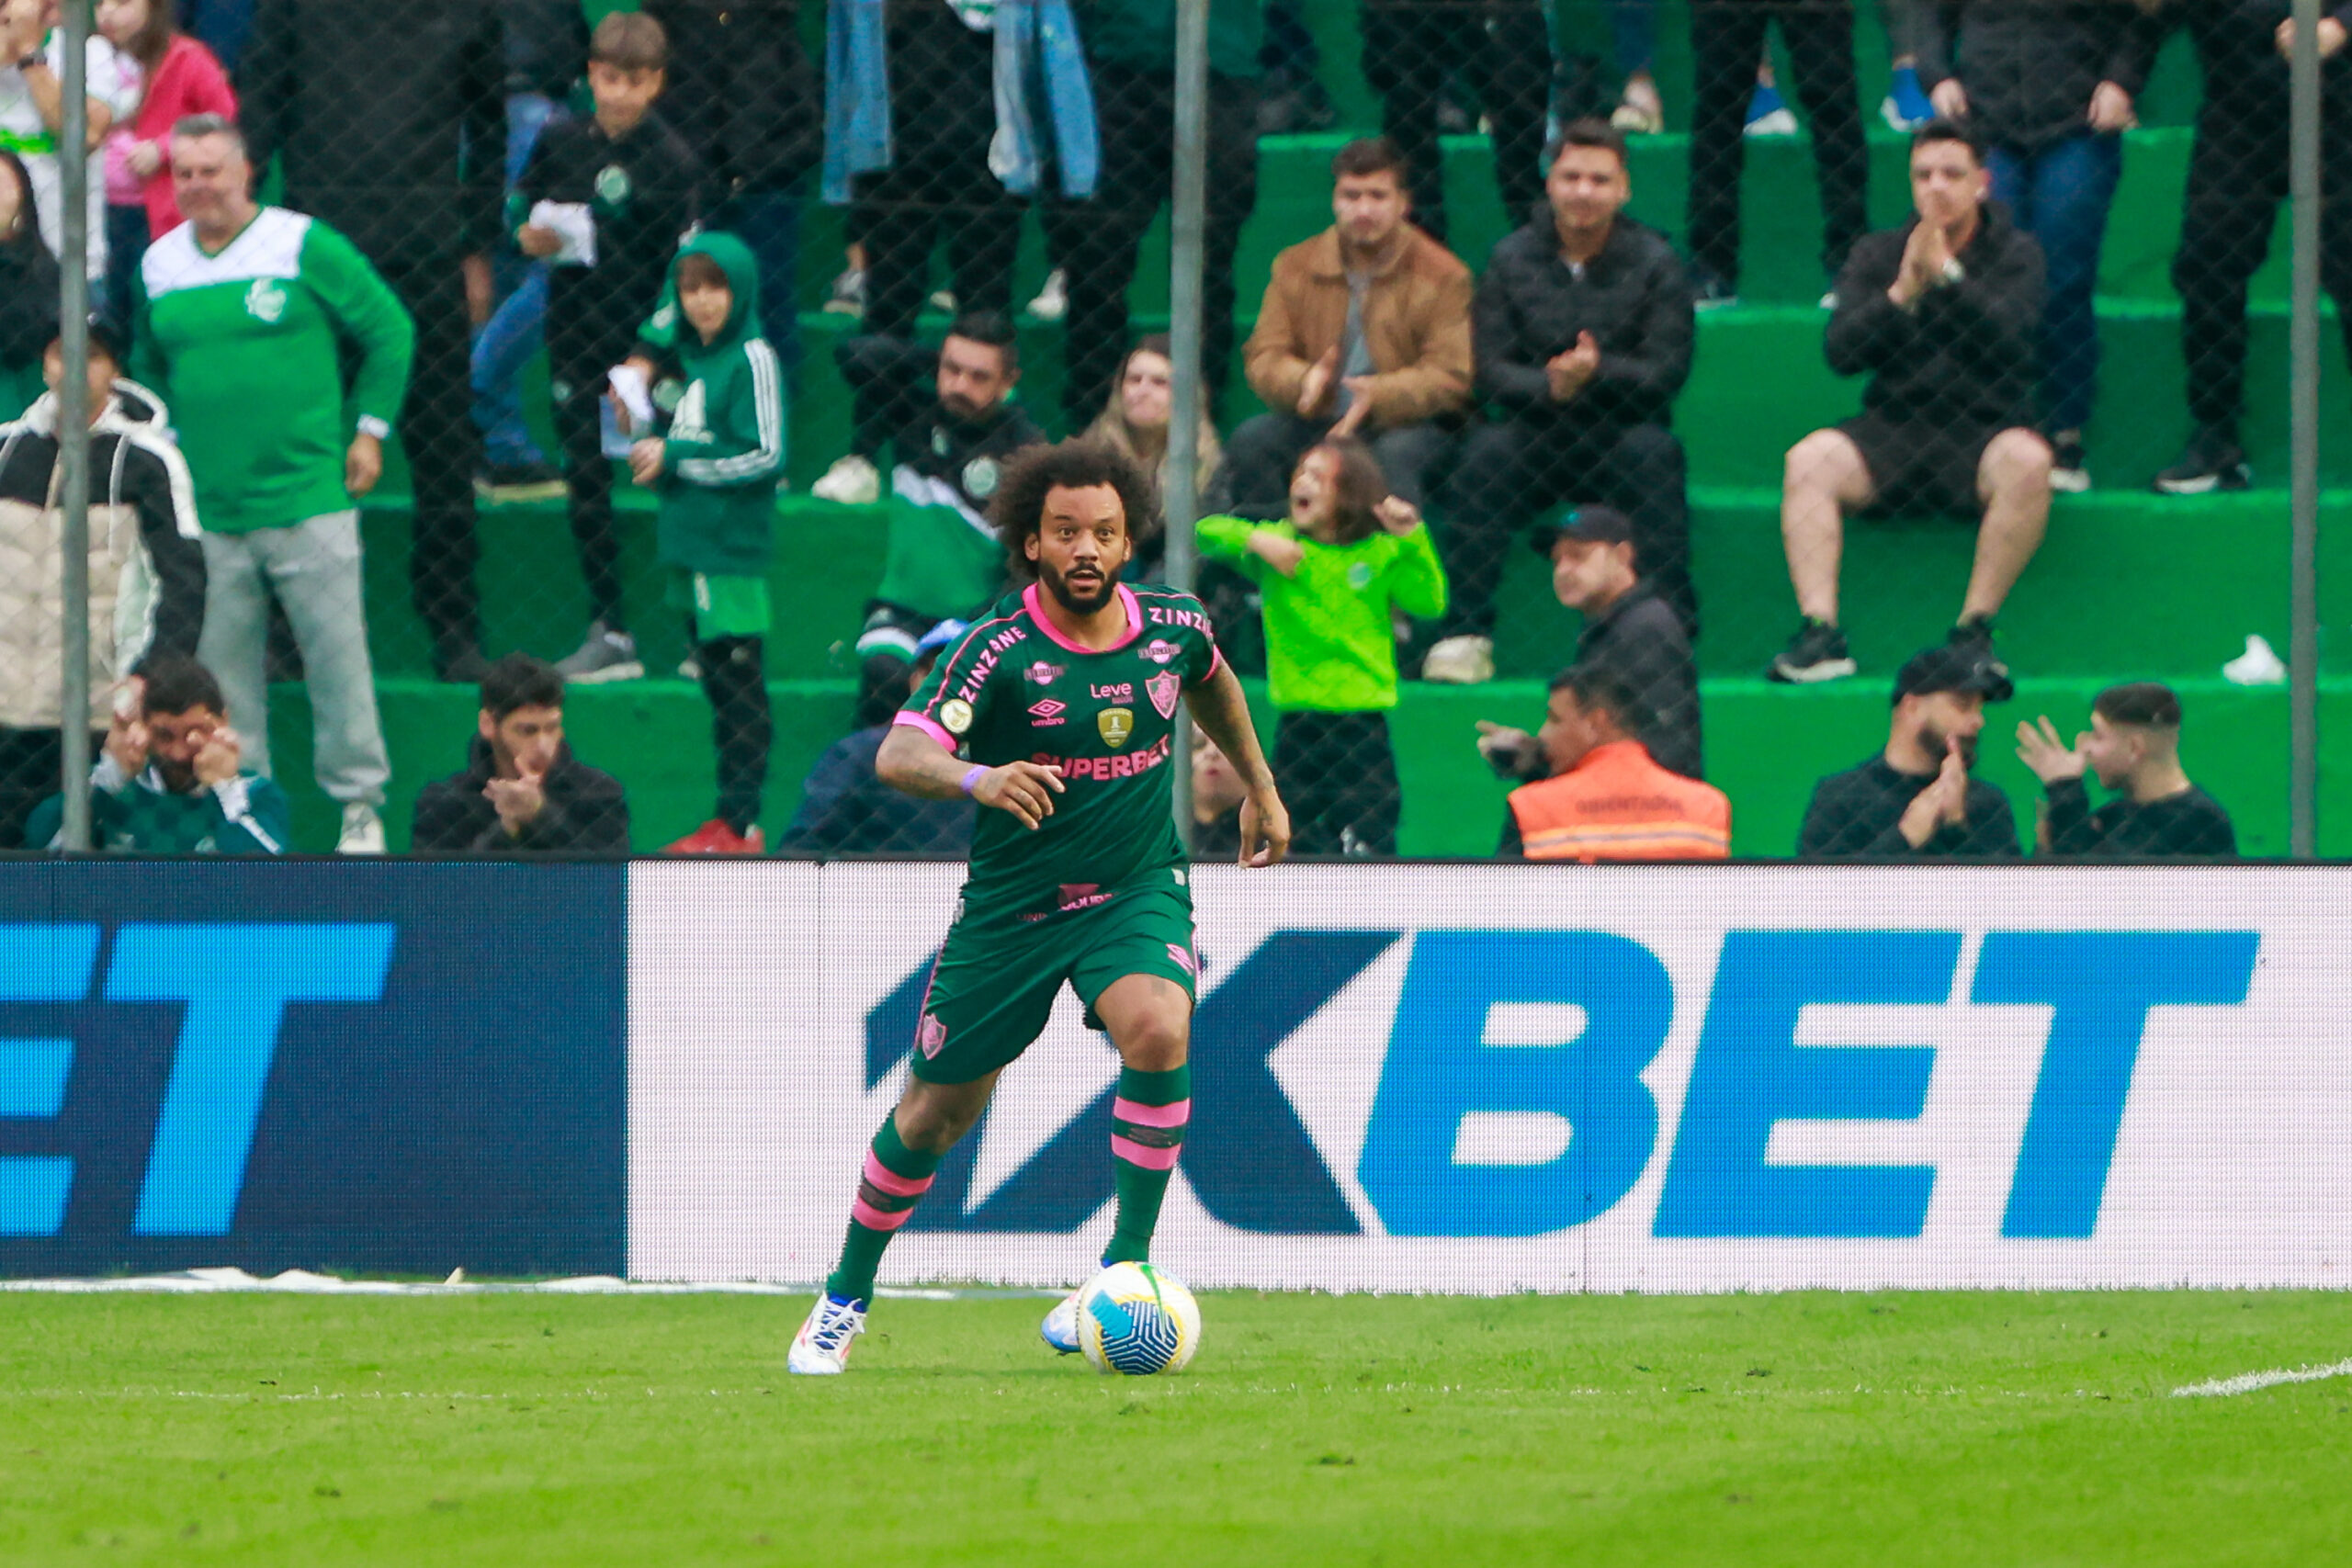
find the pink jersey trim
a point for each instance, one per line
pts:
(874, 1219)
(929, 726)
(1034, 603)
(1216, 662)
(890, 1181)
(1174, 1115)
(1127, 1149)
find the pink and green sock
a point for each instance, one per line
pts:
(1148, 1119)
(895, 1180)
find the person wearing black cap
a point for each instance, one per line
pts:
(1629, 630)
(1915, 799)
(2133, 745)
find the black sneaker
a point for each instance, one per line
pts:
(2208, 464)
(605, 655)
(2068, 472)
(1973, 636)
(519, 481)
(1816, 654)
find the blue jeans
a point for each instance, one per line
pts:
(515, 332)
(2060, 197)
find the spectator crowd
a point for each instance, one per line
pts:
(318, 225)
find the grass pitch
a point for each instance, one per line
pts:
(1798, 1430)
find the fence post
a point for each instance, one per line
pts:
(74, 426)
(1187, 222)
(2302, 432)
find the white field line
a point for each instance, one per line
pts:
(296, 1282)
(2247, 1383)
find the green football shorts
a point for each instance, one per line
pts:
(722, 606)
(994, 986)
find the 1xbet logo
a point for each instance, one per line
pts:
(234, 984)
(1252, 1164)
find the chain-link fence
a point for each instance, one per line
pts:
(1822, 353)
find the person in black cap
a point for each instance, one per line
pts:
(2133, 745)
(1915, 799)
(1629, 630)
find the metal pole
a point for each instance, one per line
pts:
(2302, 429)
(1187, 226)
(74, 425)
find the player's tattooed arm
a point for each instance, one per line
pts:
(918, 764)
(1218, 707)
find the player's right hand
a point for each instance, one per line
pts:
(1026, 789)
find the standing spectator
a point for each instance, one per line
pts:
(1628, 631)
(28, 289)
(943, 561)
(146, 583)
(845, 808)
(32, 114)
(716, 473)
(370, 109)
(2050, 89)
(1365, 330)
(1917, 798)
(546, 45)
(1944, 315)
(1583, 330)
(2133, 745)
(1729, 37)
(630, 182)
(1413, 50)
(1605, 798)
(744, 94)
(521, 792)
(244, 316)
(2238, 174)
(1135, 418)
(938, 186)
(179, 77)
(1131, 54)
(1334, 574)
(170, 779)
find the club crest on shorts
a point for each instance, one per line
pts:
(1117, 725)
(930, 1035)
(1163, 689)
(955, 716)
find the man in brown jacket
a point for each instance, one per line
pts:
(1365, 330)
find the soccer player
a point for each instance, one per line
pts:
(1056, 712)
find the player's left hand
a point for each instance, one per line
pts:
(1265, 828)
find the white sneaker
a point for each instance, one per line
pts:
(852, 480)
(822, 1347)
(2259, 665)
(362, 830)
(1053, 300)
(1778, 122)
(1060, 1327)
(1461, 662)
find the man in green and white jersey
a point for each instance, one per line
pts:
(1057, 713)
(242, 317)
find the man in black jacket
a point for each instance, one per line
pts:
(1582, 330)
(521, 792)
(1915, 799)
(2133, 745)
(387, 122)
(1628, 631)
(1945, 315)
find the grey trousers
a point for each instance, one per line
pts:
(313, 569)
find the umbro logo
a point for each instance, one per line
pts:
(1048, 711)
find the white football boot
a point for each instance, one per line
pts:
(822, 1347)
(1060, 1327)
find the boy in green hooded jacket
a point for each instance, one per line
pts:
(716, 473)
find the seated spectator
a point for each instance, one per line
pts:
(1365, 330)
(146, 583)
(845, 809)
(28, 289)
(1915, 799)
(1135, 421)
(2133, 745)
(1583, 329)
(170, 779)
(943, 561)
(1606, 799)
(522, 791)
(1628, 630)
(629, 183)
(1217, 795)
(1945, 316)
(1334, 575)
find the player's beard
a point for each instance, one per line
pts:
(1076, 601)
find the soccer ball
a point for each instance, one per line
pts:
(1134, 1320)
